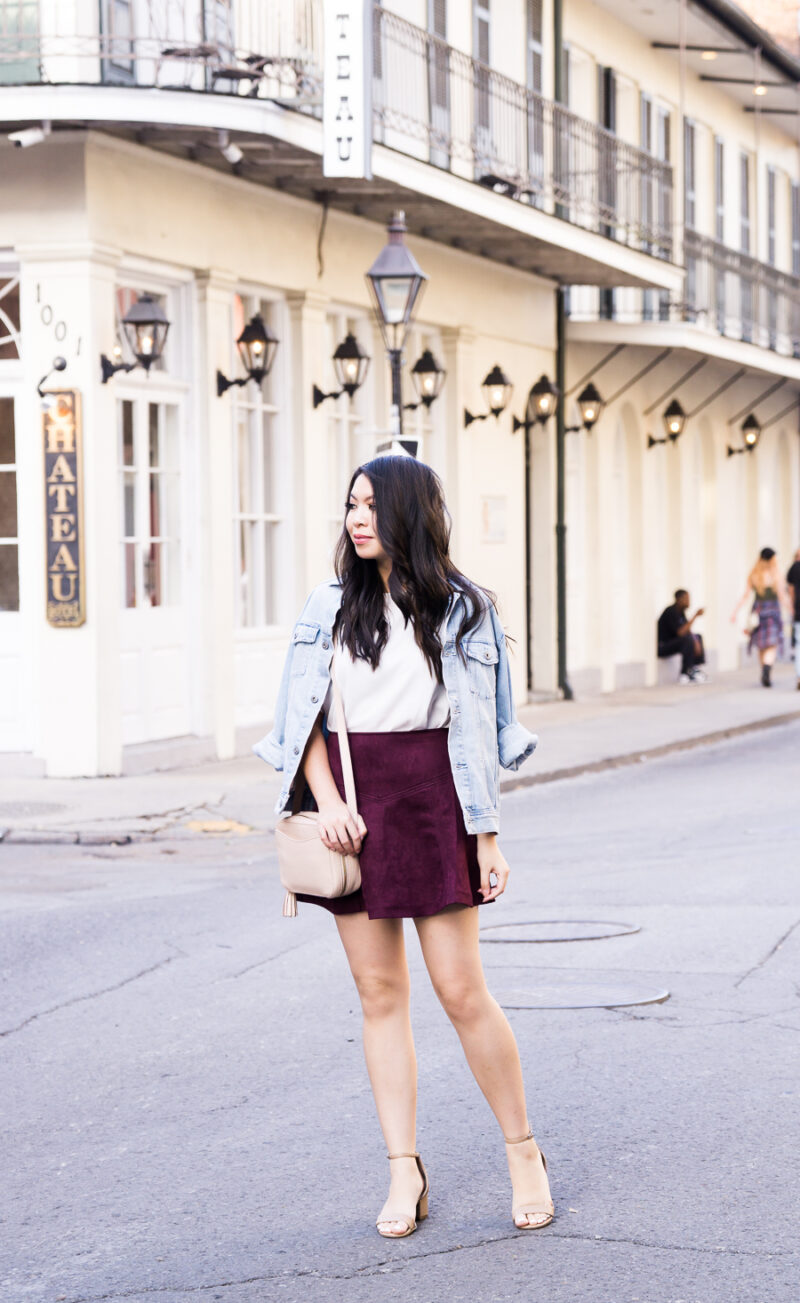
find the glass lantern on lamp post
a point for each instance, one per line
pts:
(396, 282)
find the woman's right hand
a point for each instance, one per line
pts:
(339, 830)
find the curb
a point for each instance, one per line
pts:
(650, 753)
(65, 837)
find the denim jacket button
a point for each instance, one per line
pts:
(326, 644)
(315, 698)
(296, 750)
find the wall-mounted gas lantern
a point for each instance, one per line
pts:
(350, 363)
(257, 347)
(497, 390)
(145, 326)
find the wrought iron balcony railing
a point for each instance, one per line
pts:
(740, 297)
(726, 292)
(246, 47)
(458, 113)
(430, 100)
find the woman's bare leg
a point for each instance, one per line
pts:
(376, 954)
(449, 942)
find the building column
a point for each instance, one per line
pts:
(542, 544)
(67, 308)
(310, 461)
(215, 290)
(458, 346)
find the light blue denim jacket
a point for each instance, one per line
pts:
(484, 731)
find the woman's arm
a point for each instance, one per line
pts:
(338, 828)
(737, 608)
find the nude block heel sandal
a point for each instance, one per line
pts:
(546, 1211)
(410, 1220)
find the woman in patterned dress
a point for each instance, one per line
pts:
(766, 582)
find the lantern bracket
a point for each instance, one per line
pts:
(224, 384)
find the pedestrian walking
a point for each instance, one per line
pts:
(793, 584)
(766, 585)
(421, 663)
(676, 638)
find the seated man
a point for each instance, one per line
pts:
(675, 636)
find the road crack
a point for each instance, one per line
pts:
(261, 962)
(393, 1265)
(768, 955)
(92, 995)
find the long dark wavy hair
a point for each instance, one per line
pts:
(413, 526)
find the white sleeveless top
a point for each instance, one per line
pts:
(400, 695)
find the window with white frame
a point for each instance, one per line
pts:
(720, 284)
(689, 175)
(9, 547)
(746, 297)
(9, 315)
(257, 450)
(772, 298)
(646, 133)
(771, 241)
(719, 190)
(534, 44)
(116, 22)
(19, 23)
(744, 203)
(346, 417)
(481, 46)
(149, 468)
(438, 84)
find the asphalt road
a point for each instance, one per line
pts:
(186, 1114)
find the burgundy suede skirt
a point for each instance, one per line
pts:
(417, 856)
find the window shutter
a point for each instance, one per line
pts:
(437, 18)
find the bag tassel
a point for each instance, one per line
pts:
(290, 905)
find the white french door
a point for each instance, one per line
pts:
(156, 697)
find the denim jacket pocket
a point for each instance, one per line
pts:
(303, 639)
(482, 660)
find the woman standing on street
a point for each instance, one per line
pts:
(420, 658)
(766, 583)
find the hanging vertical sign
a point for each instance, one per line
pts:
(63, 508)
(347, 89)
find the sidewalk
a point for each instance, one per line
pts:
(236, 797)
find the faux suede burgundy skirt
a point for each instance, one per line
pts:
(417, 857)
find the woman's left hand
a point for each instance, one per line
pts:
(492, 861)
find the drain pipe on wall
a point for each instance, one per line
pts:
(561, 368)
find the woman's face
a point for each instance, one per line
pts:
(360, 521)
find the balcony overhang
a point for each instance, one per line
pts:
(686, 338)
(283, 150)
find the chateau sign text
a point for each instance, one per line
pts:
(347, 89)
(63, 487)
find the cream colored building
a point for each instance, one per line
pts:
(178, 152)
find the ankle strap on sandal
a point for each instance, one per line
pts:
(519, 1139)
(414, 1155)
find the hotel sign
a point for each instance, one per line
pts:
(63, 488)
(347, 89)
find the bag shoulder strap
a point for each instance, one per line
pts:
(344, 748)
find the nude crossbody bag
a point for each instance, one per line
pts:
(306, 864)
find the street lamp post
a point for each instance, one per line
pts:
(396, 282)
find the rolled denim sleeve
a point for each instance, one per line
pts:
(514, 742)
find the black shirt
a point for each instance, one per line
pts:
(670, 621)
(793, 578)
